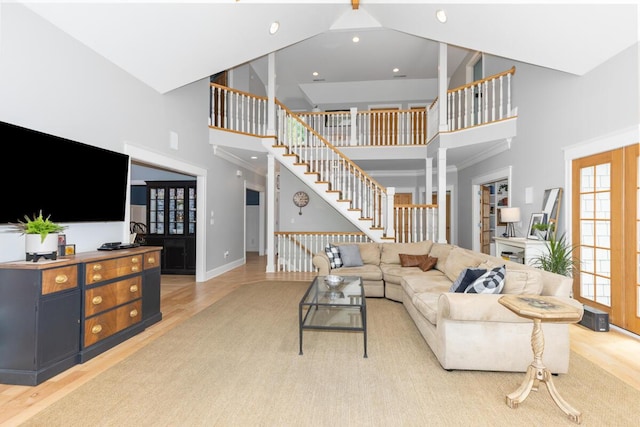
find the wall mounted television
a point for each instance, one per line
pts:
(69, 181)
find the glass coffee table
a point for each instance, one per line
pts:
(342, 308)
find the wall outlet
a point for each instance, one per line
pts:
(226, 254)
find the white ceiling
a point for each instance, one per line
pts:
(169, 44)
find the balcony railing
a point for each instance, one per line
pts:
(477, 103)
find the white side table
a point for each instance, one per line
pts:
(530, 248)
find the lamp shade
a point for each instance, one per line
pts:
(510, 214)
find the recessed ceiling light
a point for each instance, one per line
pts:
(355, 39)
(275, 26)
(315, 73)
(441, 15)
(395, 70)
(254, 157)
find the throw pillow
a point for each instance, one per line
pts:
(409, 260)
(350, 255)
(466, 278)
(491, 282)
(334, 256)
(428, 264)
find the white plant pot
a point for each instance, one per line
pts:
(34, 245)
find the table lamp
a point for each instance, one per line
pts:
(510, 215)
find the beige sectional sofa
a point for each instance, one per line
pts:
(465, 331)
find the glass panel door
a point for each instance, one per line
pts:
(606, 234)
(156, 211)
(192, 210)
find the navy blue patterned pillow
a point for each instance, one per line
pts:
(466, 278)
(333, 252)
(491, 282)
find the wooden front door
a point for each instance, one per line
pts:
(605, 221)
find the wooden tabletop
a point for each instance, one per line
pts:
(545, 308)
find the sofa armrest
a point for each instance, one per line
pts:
(321, 262)
(484, 307)
(475, 307)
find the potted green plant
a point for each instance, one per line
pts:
(41, 234)
(559, 257)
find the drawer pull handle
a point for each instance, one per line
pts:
(96, 329)
(97, 267)
(135, 268)
(133, 313)
(134, 260)
(97, 300)
(133, 288)
(97, 277)
(61, 278)
(151, 260)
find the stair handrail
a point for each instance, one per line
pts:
(363, 192)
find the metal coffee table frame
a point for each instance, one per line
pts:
(341, 309)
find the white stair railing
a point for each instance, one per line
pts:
(295, 249)
(350, 183)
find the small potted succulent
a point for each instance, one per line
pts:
(41, 234)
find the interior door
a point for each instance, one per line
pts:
(402, 223)
(485, 219)
(384, 126)
(217, 100)
(418, 125)
(605, 222)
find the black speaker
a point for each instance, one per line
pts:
(595, 319)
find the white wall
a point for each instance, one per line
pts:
(51, 83)
(555, 110)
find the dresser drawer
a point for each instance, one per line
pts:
(107, 324)
(110, 269)
(151, 260)
(59, 279)
(108, 296)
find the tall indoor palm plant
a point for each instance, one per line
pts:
(559, 257)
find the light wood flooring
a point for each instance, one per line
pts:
(182, 297)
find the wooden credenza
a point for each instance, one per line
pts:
(55, 314)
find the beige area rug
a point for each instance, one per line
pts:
(236, 363)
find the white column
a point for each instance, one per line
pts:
(442, 195)
(271, 94)
(389, 229)
(428, 181)
(271, 213)
(442, 88)
(354, 136)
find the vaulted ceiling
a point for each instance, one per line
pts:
(168, 44)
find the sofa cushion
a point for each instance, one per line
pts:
(466, 278)
(410, 260)
(433, 281)
(350, 255)
(369, 251)
(367, 272)
(491, 282)
(457, 260)
(441, 251)
(522, 282)
(391, 251)
(334, 255)
(427, 304)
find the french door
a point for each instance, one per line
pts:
(605, 228)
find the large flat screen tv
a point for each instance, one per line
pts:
(66, 180)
